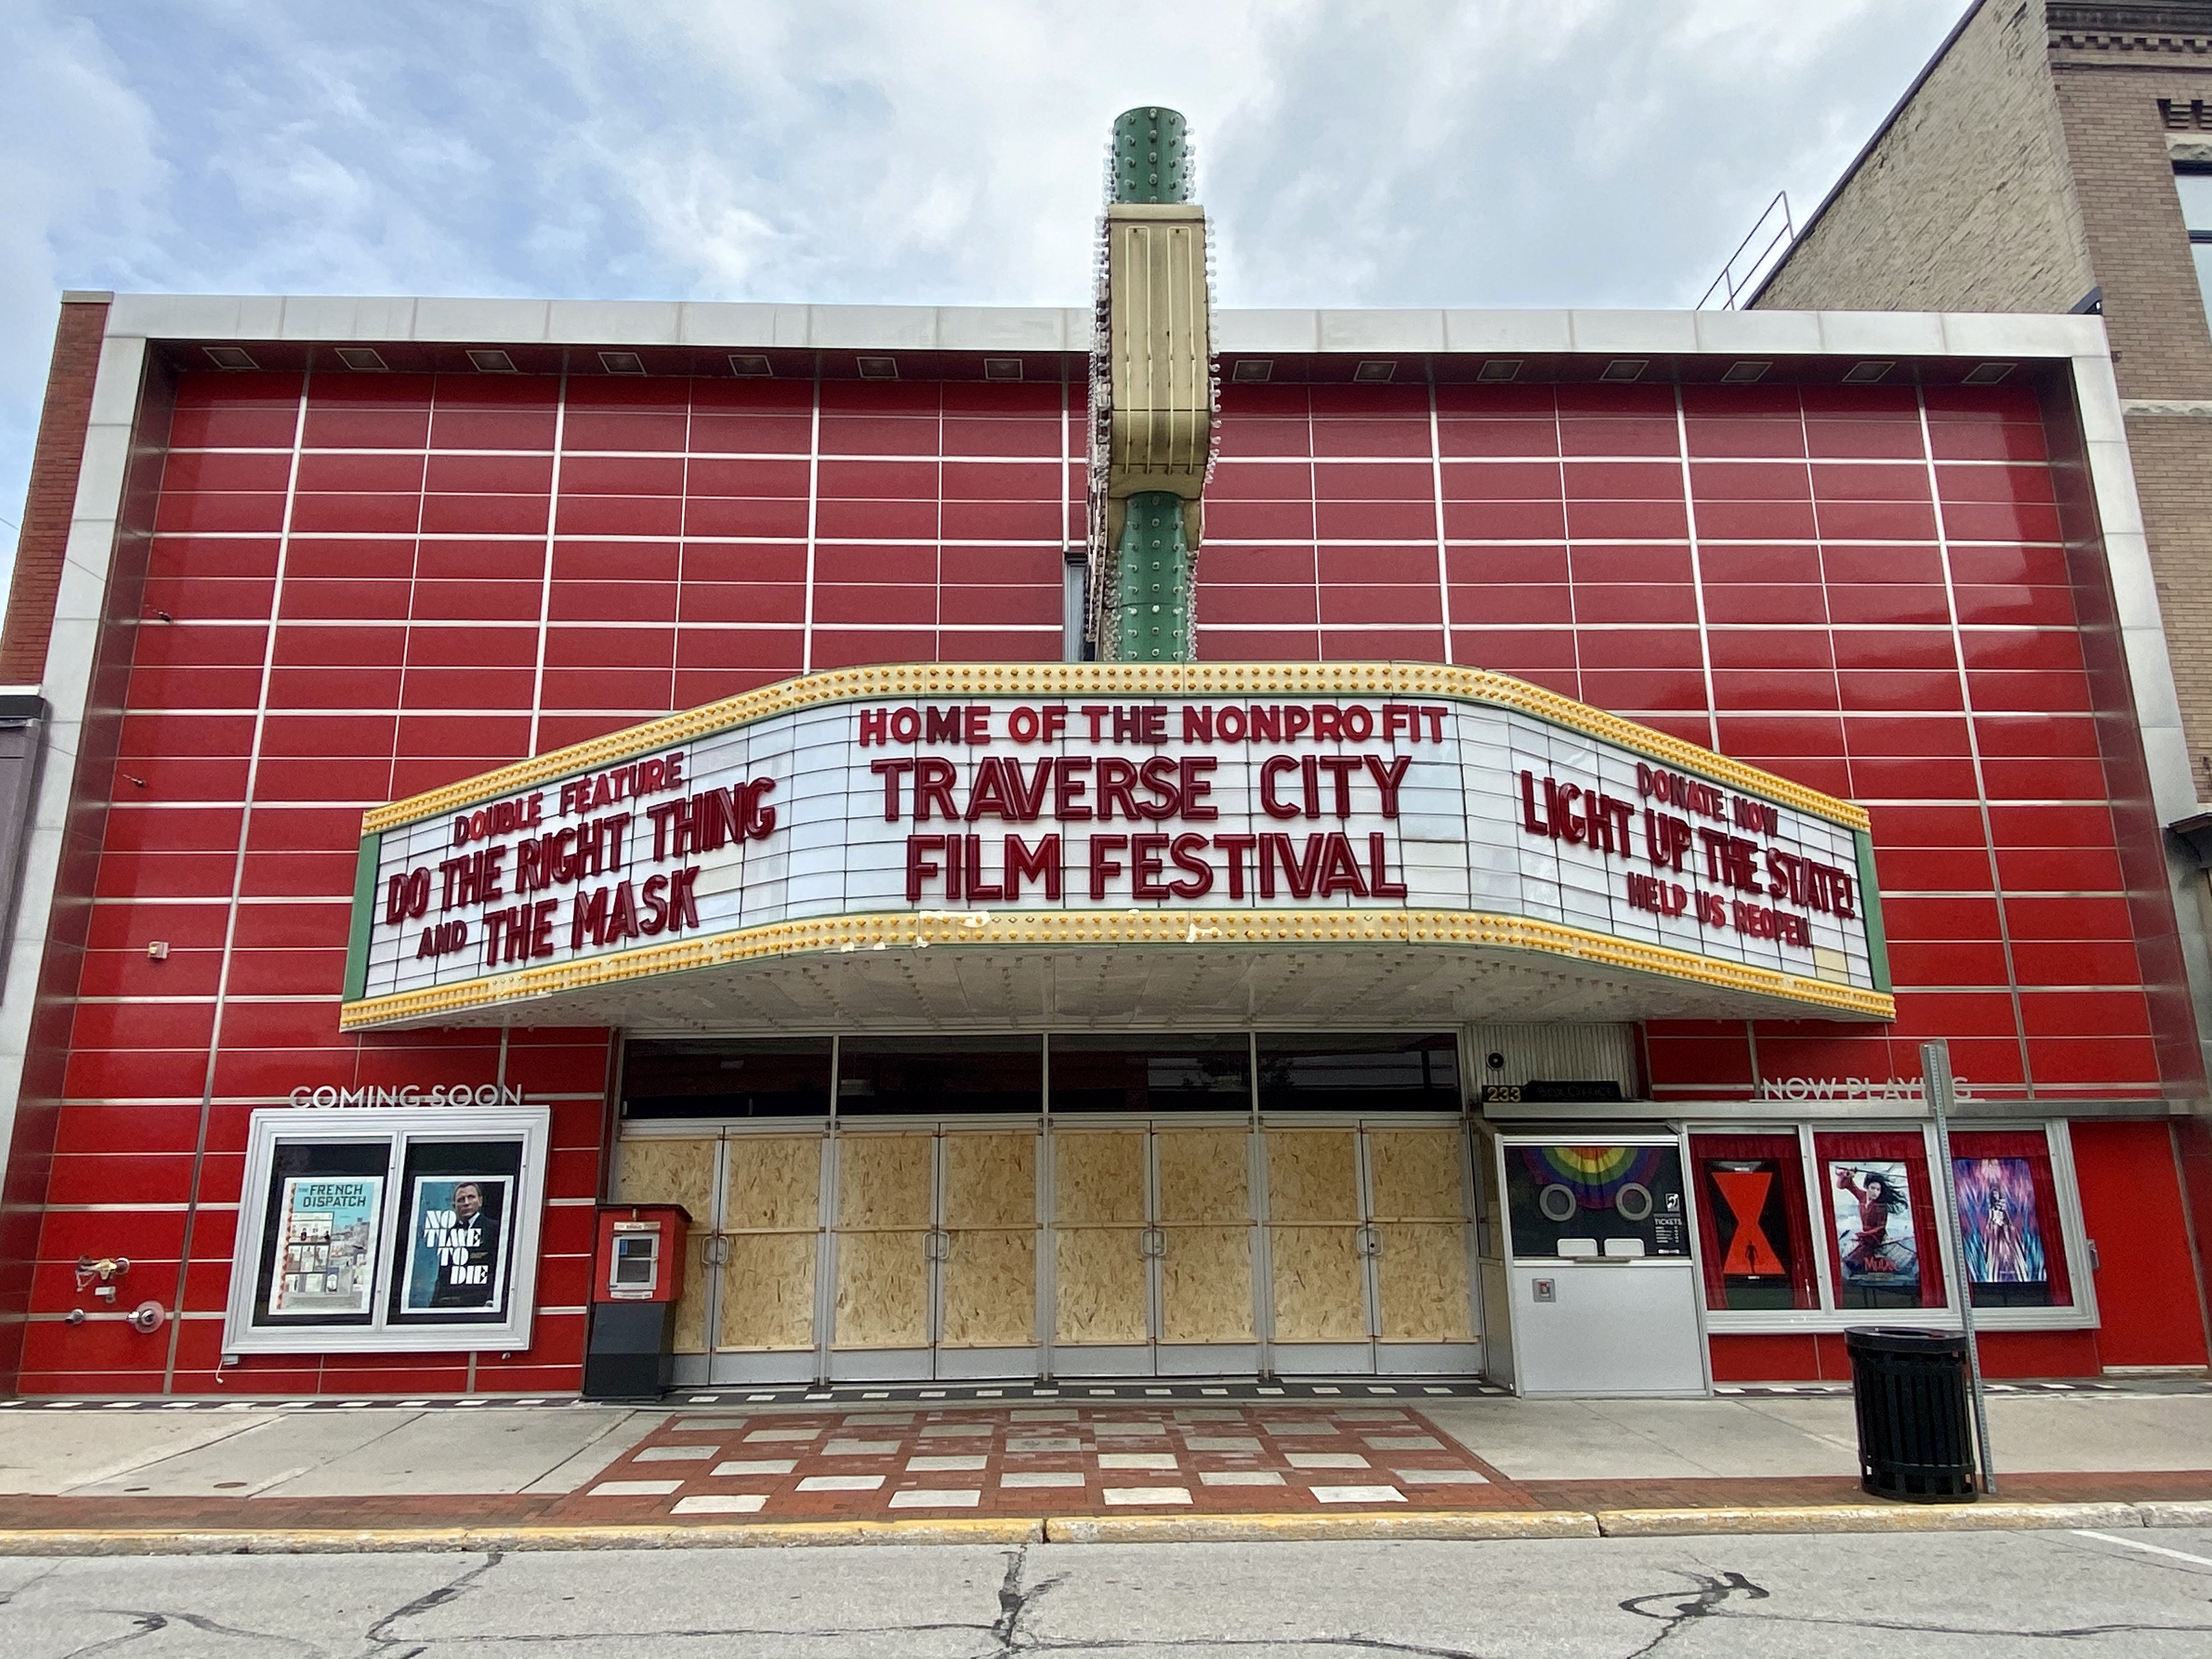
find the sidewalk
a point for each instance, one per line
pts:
(1374, 1460)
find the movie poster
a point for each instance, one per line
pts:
(1748, 1200)
(1999, 1229)
(457, 1245)
(325, 1249)
(1876, 1241)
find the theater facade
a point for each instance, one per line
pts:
(1087, 843)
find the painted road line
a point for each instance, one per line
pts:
(2145, 1546)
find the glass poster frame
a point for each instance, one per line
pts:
(360, 1231)
(2066, 1299)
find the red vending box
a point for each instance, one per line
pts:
(637, 1277)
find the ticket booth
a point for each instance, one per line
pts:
(1600, 1266)
(637, 1277)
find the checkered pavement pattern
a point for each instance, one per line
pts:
(1039, 1460)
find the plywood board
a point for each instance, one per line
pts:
(1098, 1179)
(882, 1290)
(1206, 1283)
(990, 1289)
(1421, 1281)
(768, 1292)
(884, 1180)
(1414, 1175)
(689, 1332)
(773, 1181)
(670, 1172)
(1099, 1284)
(1313, 1174)
(1320, 1284)
(1206, 1175)
(990, 1179)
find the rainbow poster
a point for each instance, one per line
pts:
(1595, 1175)
(1613, 1199)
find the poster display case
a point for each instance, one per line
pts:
(1802, 1227)
(388, 1231)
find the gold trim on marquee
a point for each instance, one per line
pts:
(1056, 928)
(1107, 679)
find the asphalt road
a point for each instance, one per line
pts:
(2140, 1594)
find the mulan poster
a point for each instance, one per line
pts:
(1876, 1245)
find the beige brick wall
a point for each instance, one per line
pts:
(2109, 102)
(1965, 204)
(2154, 313)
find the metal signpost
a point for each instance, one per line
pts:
(1936, 1082)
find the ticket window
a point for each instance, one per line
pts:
(1600, 1267)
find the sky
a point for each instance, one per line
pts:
(1412, 153)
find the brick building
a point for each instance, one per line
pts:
(504, 761)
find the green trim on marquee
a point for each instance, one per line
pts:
(364, 918)
(1877, 937)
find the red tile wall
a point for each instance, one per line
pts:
(1862, 589)
(380, 583)
(375, 584)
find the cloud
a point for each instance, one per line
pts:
(1417, 152)
(80, 183)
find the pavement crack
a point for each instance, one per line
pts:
(1716, 1598)
(142, 1625)
(31, 1584)
(1014, 1602)
(1711, 1596)
(378, 1634)
(148, 1623)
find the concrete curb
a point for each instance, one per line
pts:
(1868, 1517)
(2168, 1513)
(383, 1540)
(1272, 1528)
(1469, 1525)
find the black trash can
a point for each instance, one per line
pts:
(1915, 1431)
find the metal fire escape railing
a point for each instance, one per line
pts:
(1770, 235)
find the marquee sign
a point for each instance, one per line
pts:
(1250, 799)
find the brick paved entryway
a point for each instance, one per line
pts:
(1039, 1459)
